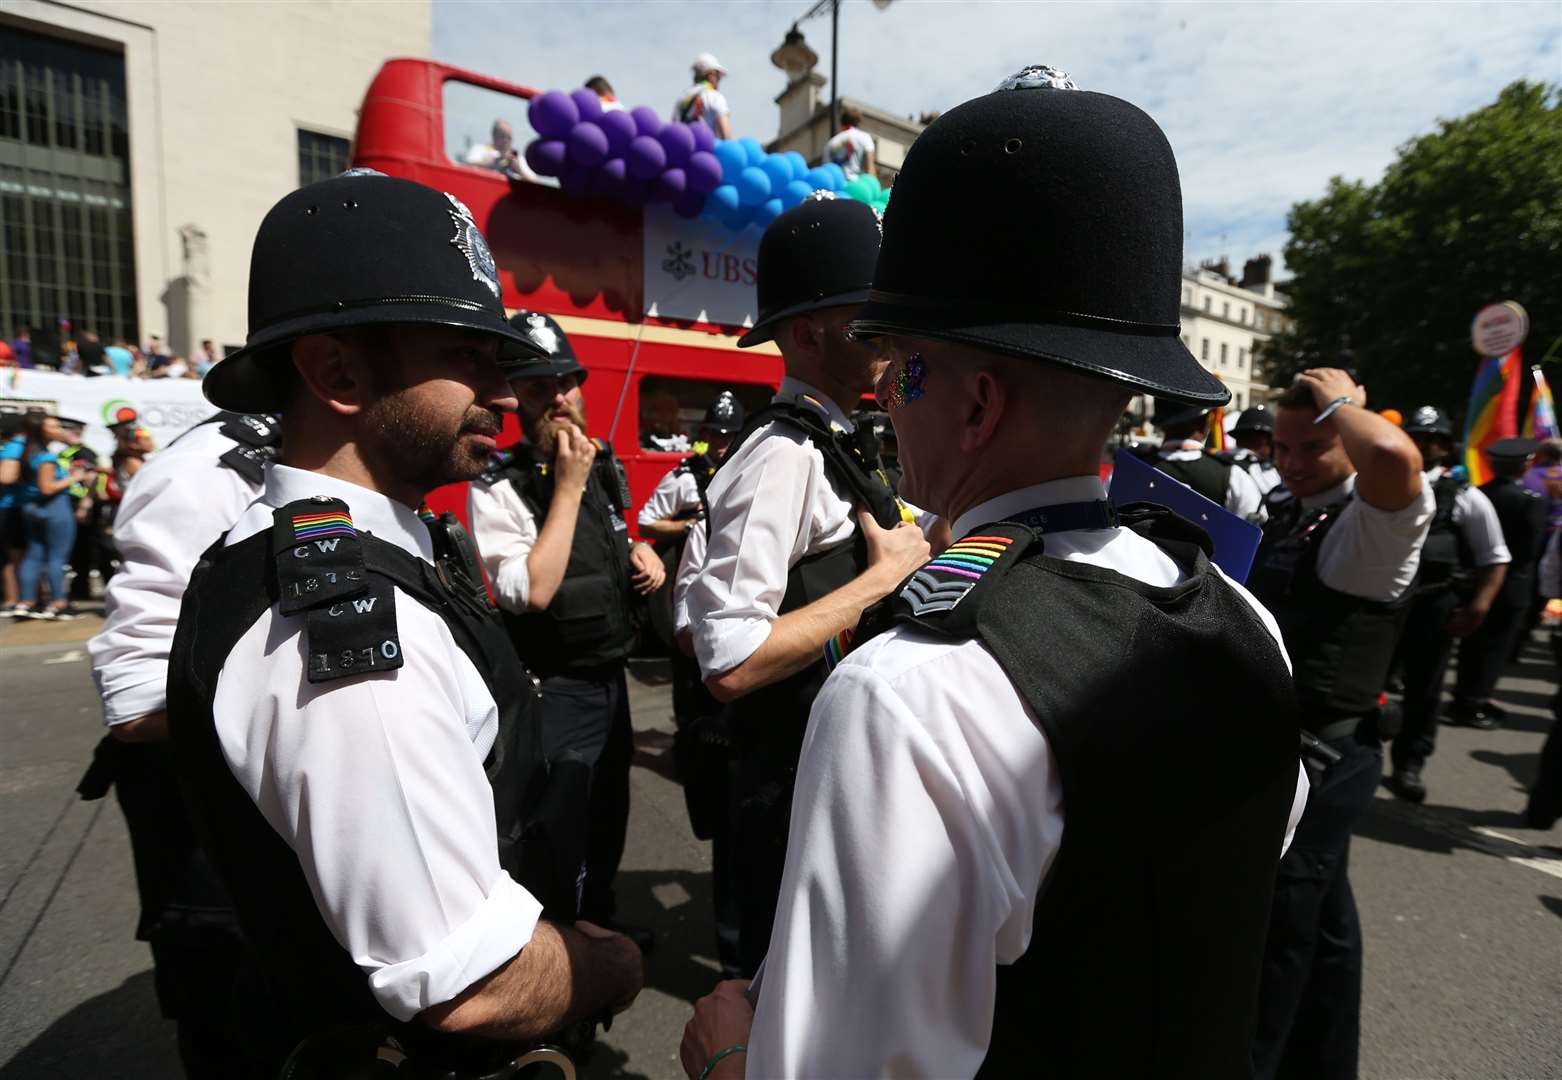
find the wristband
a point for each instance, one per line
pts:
(719, 1055)
(1335, 404)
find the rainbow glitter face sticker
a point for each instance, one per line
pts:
(909, 382)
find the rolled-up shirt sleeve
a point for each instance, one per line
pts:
(689, 564)
(757, 532)
(177, 506)
(505, 533)
(377, 785)
(675, 494)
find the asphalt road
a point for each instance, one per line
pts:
(1461, 905)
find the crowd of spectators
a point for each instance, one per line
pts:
(86, 354)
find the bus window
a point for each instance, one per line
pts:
(671, 408)
(486, 129)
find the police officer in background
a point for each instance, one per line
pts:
(1335, 566)
(1484, 653)
(350, 724)
(803, 531)
(1464, 564)
(1254, 435)
(548, 518)
(1002, 863)
(678, 503)
(1183, 457)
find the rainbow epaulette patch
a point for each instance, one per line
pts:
(319, 526)
(427, 515)
(836, 648)
(964, 562)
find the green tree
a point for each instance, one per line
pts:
(1466, 216)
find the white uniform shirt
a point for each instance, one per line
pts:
(928, 809)
(1264, 473)
(689, 564)
(774, 498)
(1369, 552)
(505, 531)
(175, 508)
(1476, 518)
(1243, 496)
(676, 494)
(376, 782)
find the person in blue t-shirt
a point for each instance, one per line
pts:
(48, 519)
(12, 536)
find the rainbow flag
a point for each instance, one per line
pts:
(1540, 422)
(1493, 413)
(1217, 430)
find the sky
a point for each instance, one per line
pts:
(1262, 102)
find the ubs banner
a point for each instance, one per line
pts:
(166, 407)
(699, 270)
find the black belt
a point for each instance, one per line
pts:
(1336, 729)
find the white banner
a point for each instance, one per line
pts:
(165, 407)
(699, 270)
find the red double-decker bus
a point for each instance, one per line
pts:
(652, 303)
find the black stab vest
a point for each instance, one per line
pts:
(1341, 646)
(1170, 715)
(1445, 555)
(591, 621)
(1523, 514)
(1206, 474)
(306, 981)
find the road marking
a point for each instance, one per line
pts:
(67, 657)
(1490, 841)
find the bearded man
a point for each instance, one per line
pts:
(548, 518)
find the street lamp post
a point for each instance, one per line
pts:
(834, 7)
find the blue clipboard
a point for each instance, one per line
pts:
(1236, 540)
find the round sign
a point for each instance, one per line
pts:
(1498, 329)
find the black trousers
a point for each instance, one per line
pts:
(1309, 1007)
(590, 717)
(93, 550)
(1423, 654)
(1545, 798)
(1484, 655)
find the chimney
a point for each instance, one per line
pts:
(1221, 266)
(1256, 271)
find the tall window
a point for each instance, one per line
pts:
(1222, 354)
(1204, 347)
(1244, 314)
(1206, 303)
(67, 257)
(320, 157)
(1225, 310)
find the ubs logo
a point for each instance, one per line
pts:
(679, 262)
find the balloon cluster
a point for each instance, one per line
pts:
(634, 157)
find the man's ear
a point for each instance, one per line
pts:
(986, 399)
(804, 334)
(330, 372)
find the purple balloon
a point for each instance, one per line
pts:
(670, 186)
(678, 141)
(546, 156)
(587, 102)
(619, 127)
(553, 114)
(587, 144)
(646, 120)
(703, 172)
(704, 137)
(608, 178)
(575, 180)
(689, 205)
(646, 157)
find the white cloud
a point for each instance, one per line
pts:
(1262, 102)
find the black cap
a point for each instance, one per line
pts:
(1255, 420)
(819, 254)
(545, 351)
(1511, 450)
(71, 422)
(359, 249)
(1043, 222)
(725, 415)
(1429, 420)
(1169, 412)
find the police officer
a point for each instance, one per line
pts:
(1463, 566)
(1335, 568)
(1215, 476)
(678, 502)
(1483, 654)
(970, 887)
(548, 518)
(186, 497)
(1254, 436)
(350, 724)
(789, 564)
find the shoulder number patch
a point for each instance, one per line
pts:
(354, 635)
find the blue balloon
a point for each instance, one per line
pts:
(751, 147)
(738, 219)
(753, 186)
(722, 201)
(779, 170)
(795, 192)
(837, 175)
(819, 179)
(733, 160)
(799, 164)
(768, 211)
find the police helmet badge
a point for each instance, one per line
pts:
(1425, 416)
(542, 334)
(1037, 76)
(469, 242)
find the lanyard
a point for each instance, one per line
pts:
(1068, 517)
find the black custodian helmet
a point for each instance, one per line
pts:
(819, 254)
(1429, 420)
(1257, 420)
(359, 249)
(725, 415)
(1045, 222)
(546, 350)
